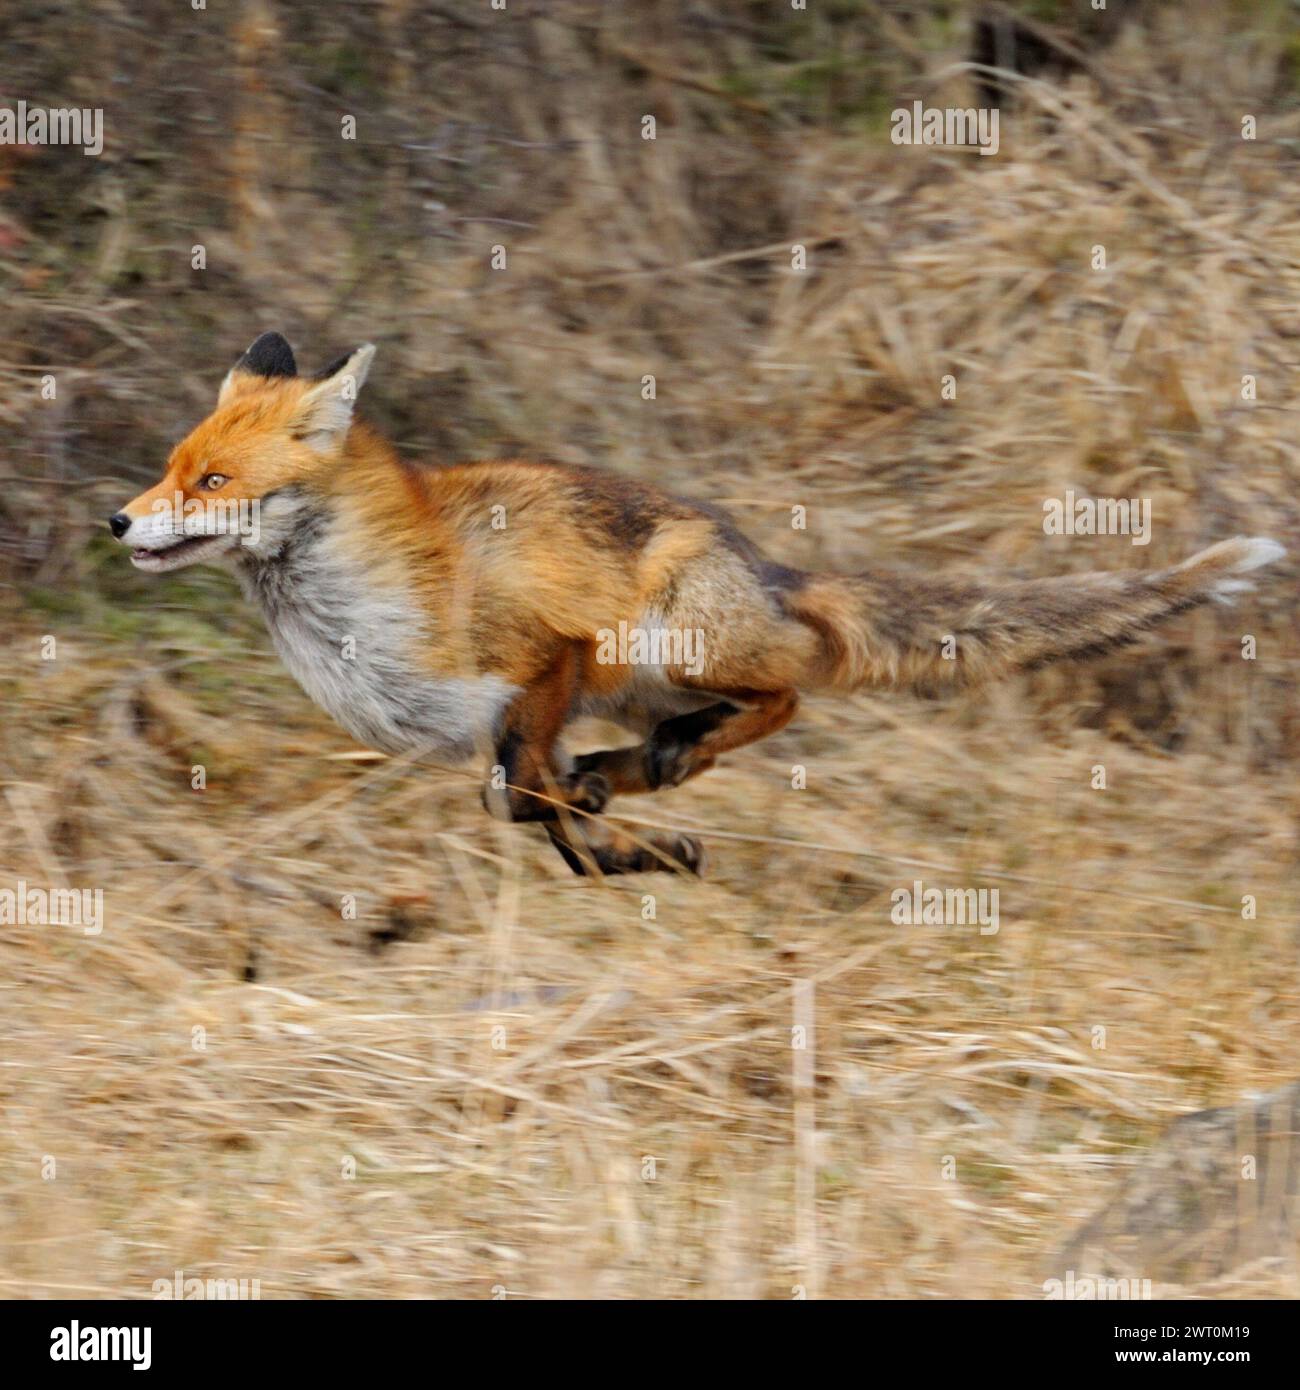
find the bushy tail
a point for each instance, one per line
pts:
(891, 629)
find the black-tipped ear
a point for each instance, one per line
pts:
(325, 411)
(336, 366)
(270, 355)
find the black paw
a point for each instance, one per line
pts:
(690, 855)
(673, 752)
(667, 761)
(586, 791)
(682, 854)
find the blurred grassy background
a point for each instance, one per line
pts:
(523, 1165)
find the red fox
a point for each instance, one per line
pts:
(441, 609)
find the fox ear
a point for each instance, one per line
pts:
(268, 356)
(325, 412)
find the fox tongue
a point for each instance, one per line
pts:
(180, 544)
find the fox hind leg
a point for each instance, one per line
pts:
(590, 847)
(688, 744)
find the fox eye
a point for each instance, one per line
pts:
(213, 480)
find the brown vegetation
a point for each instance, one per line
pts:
(627, 1037)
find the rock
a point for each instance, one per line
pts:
(1217, 1190)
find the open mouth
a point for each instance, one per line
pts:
(185, 552)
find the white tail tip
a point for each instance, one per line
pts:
(1237, 557)
(1257, 551)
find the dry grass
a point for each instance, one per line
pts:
(953, 1120)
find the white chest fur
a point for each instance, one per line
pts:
(354, 647)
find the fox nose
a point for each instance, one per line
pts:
(118, 523)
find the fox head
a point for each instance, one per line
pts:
(238, 479)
